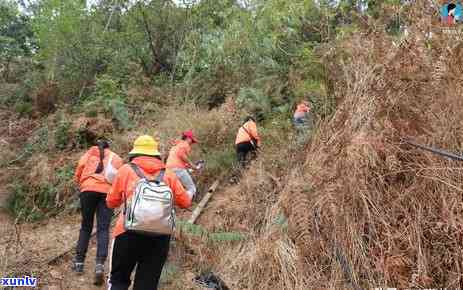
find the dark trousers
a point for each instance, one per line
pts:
(243, 150)
(148, 253)
(91, 203)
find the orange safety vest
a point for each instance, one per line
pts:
(301, 110)
(85, 175)
(178, 154)
(247, 132)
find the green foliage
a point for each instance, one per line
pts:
(23, 108)
(192, 229)
(57, 25)
(28, 204)
(106, 89)
(62, 135)
(31, 203)
(218, 161)
(254, 101)
(64, 174)
(212, 48)
(120, 114)
(197, 230)
(109, 98)
(226, 237)
(16, 37)
(38, 142)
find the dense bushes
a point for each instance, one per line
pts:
(213, 49)
(108, 98)
(33, 200)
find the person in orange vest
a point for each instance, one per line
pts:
(148, 253)
(247, 140)
(179, 161)
(300, 115)
(93, 177)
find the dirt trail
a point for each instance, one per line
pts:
(28, 247)
(59, 275)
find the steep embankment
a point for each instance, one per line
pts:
(366, 210)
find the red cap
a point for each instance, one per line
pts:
(189, 134)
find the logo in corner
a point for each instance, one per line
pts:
(451, 13)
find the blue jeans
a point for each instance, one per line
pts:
(186, 180)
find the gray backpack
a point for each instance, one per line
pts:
(150, 210)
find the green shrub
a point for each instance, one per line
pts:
(227, 237)
(38, 142)
(62, 135)
(219, 161)
(23, 108)
(254, 101)
(91, 112)
(120, 114)
(108, 98)
(64, 174)
(197, 230)
(28, 204)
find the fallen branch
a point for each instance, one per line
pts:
(203, 202)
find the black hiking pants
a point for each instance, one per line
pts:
(91, 203)
(148, 253)
(243, 150)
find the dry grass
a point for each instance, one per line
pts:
(366, 210)
(392, 213)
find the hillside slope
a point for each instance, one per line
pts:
(355, 207)
(365, 209)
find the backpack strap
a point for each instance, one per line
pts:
(253, 140)
(137, 170)
(160, 177)
(140, 174)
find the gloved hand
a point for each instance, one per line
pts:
(200, 164)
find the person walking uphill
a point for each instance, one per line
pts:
(303, 122)
(142, 232)
(302, 116)
(247, 140)
(94, 174)
(178, 161)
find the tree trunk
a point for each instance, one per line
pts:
(6, 73)
(155, 66)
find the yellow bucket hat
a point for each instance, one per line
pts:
(145, 145)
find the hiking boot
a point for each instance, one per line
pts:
(77, 267)
(99, 275)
